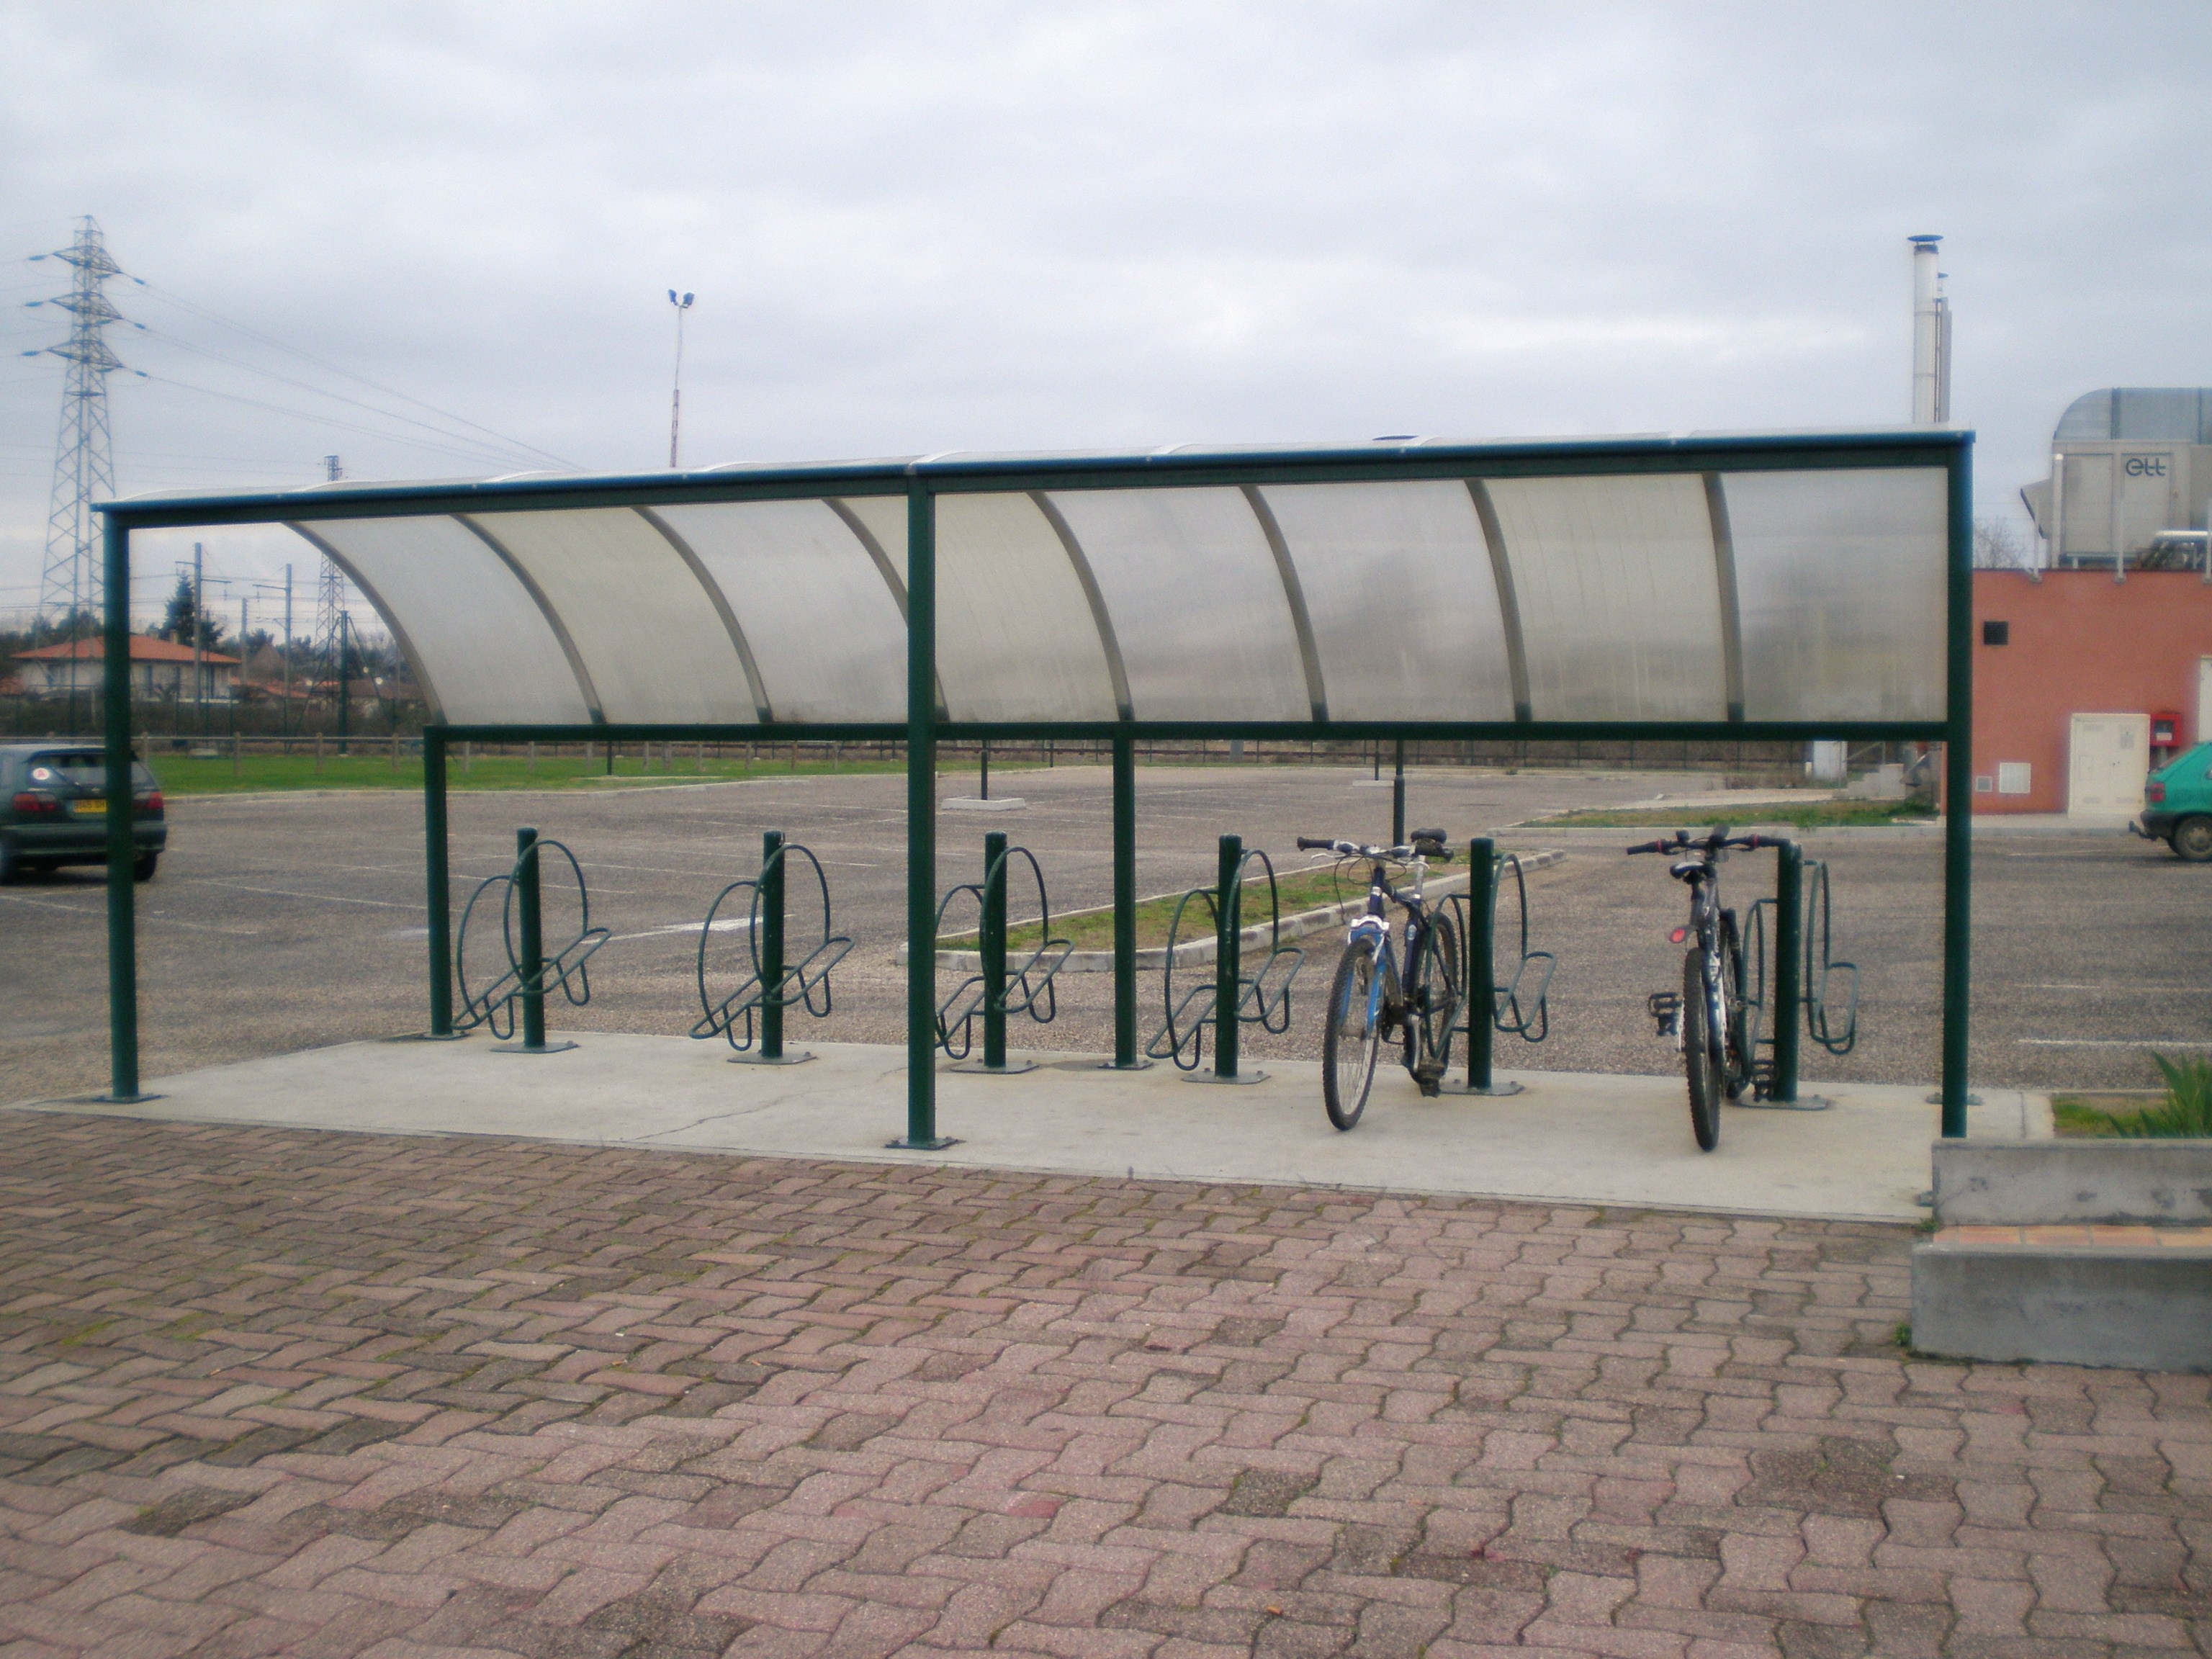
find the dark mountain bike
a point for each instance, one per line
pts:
(1706, 1018)
(1369, 999)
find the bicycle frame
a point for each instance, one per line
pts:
(1375, 922)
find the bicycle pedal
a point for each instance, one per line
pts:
(1665, 1007)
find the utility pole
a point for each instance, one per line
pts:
(70, 586)
(199, 637)
(676, 392)
(285, 725)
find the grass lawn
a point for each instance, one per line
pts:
(183, 775)
(1813, 815)
(2089, 1116)
(1093, 930)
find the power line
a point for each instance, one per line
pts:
(390, 391)
(510, 455)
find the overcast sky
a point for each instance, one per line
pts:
(925, 227)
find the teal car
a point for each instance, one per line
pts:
(2178, 805)
(53, 809)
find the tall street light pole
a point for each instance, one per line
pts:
(676, 392)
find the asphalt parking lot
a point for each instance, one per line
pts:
(286, 921)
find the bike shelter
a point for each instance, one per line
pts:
(1782, 587)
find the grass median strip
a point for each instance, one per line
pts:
(1812, 815)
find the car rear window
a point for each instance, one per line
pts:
(80, 769)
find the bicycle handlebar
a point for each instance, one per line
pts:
(1423, 845)
(1712, 843)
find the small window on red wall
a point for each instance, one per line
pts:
(1996, 632)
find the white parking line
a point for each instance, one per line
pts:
(736, 926)
(326, 898)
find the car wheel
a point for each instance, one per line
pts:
(142, 870)
(2192, 840)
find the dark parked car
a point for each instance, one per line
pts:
(53, 809)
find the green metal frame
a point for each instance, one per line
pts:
(921, 483)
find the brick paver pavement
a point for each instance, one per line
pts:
(267, 1391)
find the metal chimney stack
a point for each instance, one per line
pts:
(1931, 337)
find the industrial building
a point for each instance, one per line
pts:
(2096, 665)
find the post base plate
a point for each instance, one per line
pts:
(524, 1048)
(790, 1057)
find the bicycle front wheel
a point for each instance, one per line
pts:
(1702, 1061)
(1432, 1003)
(1352, 1036)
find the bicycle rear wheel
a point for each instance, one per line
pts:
(1352, 1036)
(1432, 1003)
(1702, 1061)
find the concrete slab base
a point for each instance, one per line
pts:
(1567, 1137)
(2145, 1309)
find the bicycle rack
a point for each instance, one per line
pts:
(773, 984)
(1804, 933)
(530, 972)
(993, 993)
(1522, 1006)
(1259, 999)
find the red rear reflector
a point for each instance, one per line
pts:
(151, 803)
(2154, 793)
(1678, 934)
(28, 802)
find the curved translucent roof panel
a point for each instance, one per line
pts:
(1403, 600)
(1197, 597)
(480, 640)
(1796, 579)
(1840, 583)
(1619, 594)
(785, 568)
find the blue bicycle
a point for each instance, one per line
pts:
(1369, 999)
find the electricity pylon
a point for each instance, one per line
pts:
(330, 625)
(84, 458)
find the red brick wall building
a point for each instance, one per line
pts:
(2078, 642)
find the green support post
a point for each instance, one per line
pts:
(1227, 967)
(1481, 970)
(1227, 920)
(1126, 1058)
(992, 937)
(922, 1135)
(1788, 959)
(771, 946)
(1483, 867)
(437, 883)
(1398, 797)
(1958, 798)
(122, 849)
(529, 925)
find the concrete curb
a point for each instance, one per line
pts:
(1202, 949)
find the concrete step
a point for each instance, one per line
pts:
(2138, 1296)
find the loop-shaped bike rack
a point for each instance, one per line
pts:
(1805, 975)
(774, 984)
(1261, 999)
(530, 972)
(994, 993)
(1519, 1005)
